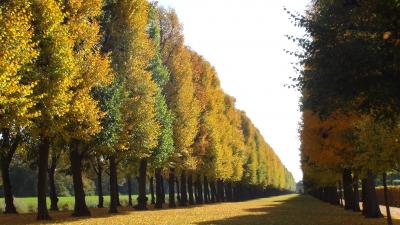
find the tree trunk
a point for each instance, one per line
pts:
(117, 188)
(100, 186)
(129, 183)
(340, 194)
(142, 198)
(364, 195)
(356, 198)
(42, 213)
(9, 147)
(113, 185)
(206, 190)
(8, 196)
(184, 197)
(217, 191)
(236, 192)
(162, 190)
(52, 186)
(321, 194)
(200, 190)
(240, 192)
(75, 157)
(178, 190)
(213, 192)
(171, 182)
(196, 191)
(372, 207)
(348, 189)
(190, 189)
(159, 184)
(220, 189)
(385, 192)
(337, 196)
(153, 201)
(332, 195)
(228, 191)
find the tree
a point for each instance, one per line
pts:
(180, 97)
(56, 75)
(105, 143)
(208, 93)
(17, 54)
(162, 153)
(180, 91)
(378, 153)
(93, 68)
(345, 58)
(202, 78)
(327, 150)
(132, 51)
(235, 143)
(250, 167)
(56, 158)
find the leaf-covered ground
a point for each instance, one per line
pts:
(282, 210)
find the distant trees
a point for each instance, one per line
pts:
(108, 87)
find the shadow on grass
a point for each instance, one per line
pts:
(57, 217)
(299, 210)
(65, 217)
(295, 210)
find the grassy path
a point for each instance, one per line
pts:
(282, 210)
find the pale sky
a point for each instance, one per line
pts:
(245, 41)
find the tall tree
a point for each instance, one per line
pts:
(184, 105)
(56, 75)
(165, 147)
(132, 51)
(351, 49)
(93, 68)
(17, 54)
(180, 97)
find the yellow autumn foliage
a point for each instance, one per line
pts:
(132, 51)
(17, 54)
(93, 68)
(55, 69)
(185, 107)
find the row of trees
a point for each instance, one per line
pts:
(109, 86)
(349, 81)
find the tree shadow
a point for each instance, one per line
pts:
(65, 217)
(299, 210)
(296, 210)
(57, 217)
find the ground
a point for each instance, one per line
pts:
(29, 204)
(281, 210)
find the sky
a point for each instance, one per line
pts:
(245, 41)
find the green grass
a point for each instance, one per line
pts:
(29, 204)
(281, 210)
